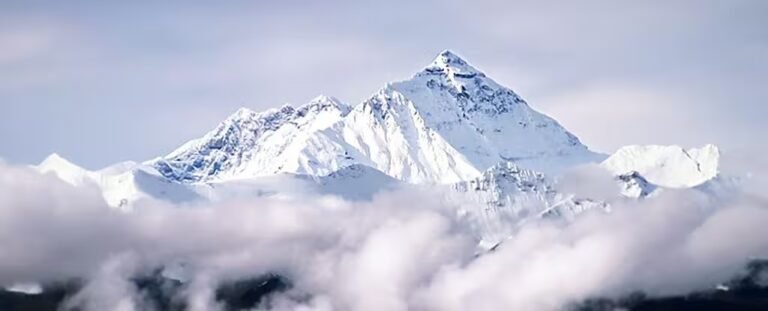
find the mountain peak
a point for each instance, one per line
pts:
(62, 168)
(322, 98)
(448, 62)
(54, 158)
(55, 161)
(449, 57)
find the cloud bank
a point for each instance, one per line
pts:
(403, 250)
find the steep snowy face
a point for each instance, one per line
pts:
(486, 121)
(251, 144)
(667, 166)
(450, 122)
(506, 196)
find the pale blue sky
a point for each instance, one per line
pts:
(131, 80)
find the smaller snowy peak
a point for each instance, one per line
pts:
(55, 160)
(666, 166)
(63, 169)
(248, 136)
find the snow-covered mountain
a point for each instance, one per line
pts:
(449, 130)
(448, 123)
(448, 126)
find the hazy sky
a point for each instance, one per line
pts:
(131, 80)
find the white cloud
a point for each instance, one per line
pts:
(403, 250)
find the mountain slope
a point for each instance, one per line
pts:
(505, 197)
(122, 184)
(249, 144)
(64, 169)
(449, 123)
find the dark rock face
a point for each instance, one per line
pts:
(52, 298)
(159, 293)
(747, 292)
(249, 293)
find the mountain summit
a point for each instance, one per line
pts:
(451, 64)
(447, 123)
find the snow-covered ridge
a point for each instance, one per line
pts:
(667, 166)
(120, 184)
(64, 169)
(250, 143)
